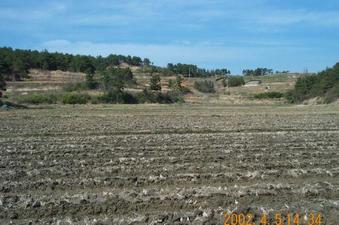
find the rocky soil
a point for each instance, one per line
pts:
(167, 164)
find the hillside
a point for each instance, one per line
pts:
(44, 81)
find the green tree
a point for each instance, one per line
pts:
(19, 70)
(115, 79)
(90, 82)
(171, 83)
(2, 82)
(155, 83)
(178, 82)
(146, 62)
(234, 81)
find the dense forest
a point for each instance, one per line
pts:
(14, 64)
(325, 84)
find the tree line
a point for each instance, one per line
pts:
(257, 72)
(14, 64)
(194, 71)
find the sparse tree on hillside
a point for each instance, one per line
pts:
(2, 85)
(146, 62)
(176, 85)
(178, 82)
(171, 83)
(115, 79)
(2, 82)
(155, 83)
(18, 70)
(90, 82)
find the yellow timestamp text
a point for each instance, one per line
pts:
(273, 219)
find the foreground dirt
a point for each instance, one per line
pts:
(167, 164)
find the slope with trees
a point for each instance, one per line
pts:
(324, 84)
(14, 64)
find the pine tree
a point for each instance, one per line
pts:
(155, 84)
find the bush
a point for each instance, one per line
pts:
(75, 98)
(290, 96)
(269, 95)
(38, 99)
(158, 97)
(174, 96)
(90, 83)
(176, 86)
(117, 97)
(204, 86)
(155, 83)
(171, 83)
(235, 81)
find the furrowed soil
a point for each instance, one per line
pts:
(153, 164)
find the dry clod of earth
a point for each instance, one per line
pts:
(152, 164)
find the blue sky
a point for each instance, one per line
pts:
(236, 34)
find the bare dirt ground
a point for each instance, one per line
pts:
(153, 164)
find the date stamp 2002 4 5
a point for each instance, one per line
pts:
(273, 219)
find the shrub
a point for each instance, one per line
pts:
(269, 95)
(176, 86)
(159, 97)
(174, 96)
(204, 86)
(155, 83)
(171, 83)
(118, 97)
(234, 81)
(290, 96)
(38, 99)
(75, 98)
(90, 83)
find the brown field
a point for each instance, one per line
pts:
(167, 164)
